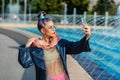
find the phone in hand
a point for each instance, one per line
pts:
(83, 20)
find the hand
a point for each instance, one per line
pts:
(36, 43)
(87, 31)
(30, 42)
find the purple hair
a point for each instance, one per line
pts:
(42, 19)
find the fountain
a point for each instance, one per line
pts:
(25, 10)
(13, 10)
(118, 16)
(118, 10)
(65, 14)
(74, 16)
(2, 17)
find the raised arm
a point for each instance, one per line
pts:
(79, 46)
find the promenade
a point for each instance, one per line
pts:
(10, 69)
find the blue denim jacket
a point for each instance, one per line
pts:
(32, 55)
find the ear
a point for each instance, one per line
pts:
(42, 30)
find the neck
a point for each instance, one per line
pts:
(46, 39)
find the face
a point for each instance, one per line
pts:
(49, 29)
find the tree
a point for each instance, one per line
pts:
(37, 5)
(50, 6)
(6, 3)
(80, 5)
(57, 6)
(105, 5)
(53, 6)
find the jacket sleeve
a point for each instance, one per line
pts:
(24, 57)
(78, 46)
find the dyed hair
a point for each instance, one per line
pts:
(42, 19)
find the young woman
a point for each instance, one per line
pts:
(48, 53)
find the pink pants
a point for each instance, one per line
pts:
(58, 77)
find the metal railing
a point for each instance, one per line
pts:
(93, 20)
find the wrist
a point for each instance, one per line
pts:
(88, 36)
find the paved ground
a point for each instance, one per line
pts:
(11, 70)
(9, 66)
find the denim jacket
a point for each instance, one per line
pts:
(32, 55)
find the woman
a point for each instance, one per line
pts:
(48, 53)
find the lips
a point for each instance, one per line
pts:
(53, 32)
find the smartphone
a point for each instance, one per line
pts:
(83, 20)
